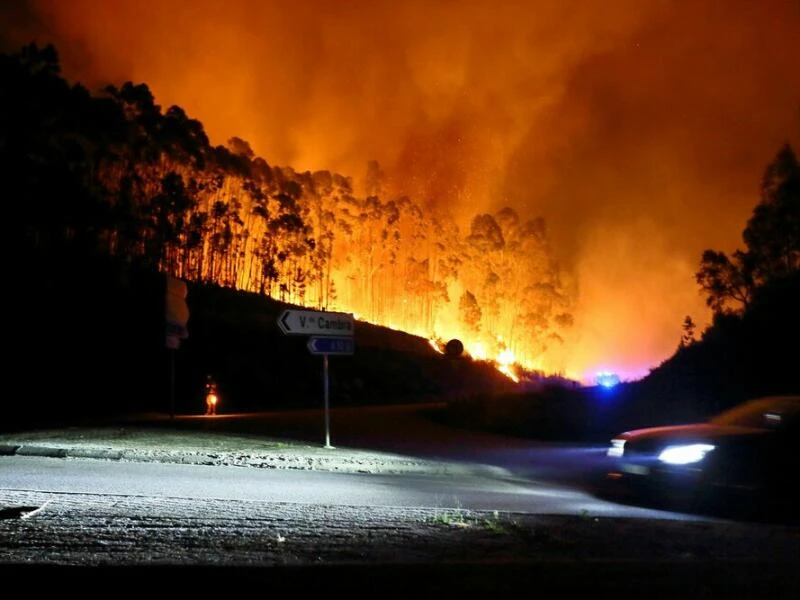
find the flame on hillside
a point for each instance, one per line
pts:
(504, 361)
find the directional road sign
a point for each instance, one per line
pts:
(312, 322)
(331, 345)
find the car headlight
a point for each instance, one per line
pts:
(685, 454)
(617, 448)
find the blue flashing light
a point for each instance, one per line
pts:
(607, 379)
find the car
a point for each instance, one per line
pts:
(746, 458)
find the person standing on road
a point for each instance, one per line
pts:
(212, 396)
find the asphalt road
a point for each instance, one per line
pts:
(78, 538)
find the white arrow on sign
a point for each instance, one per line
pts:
(312, 322)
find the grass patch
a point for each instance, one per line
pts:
(459, 517)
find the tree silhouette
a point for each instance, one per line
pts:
(687, 332)
(166, 219)
(772, 242)
(728, 282)
(470, 312)
(772, 234)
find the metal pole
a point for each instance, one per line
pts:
(327, 412)
(172, 383)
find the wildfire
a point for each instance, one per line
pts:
(502, 358)
(505, 362)
(461, 130)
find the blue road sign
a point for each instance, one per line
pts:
(331, 345)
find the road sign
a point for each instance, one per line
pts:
(312, 322)
(176, 311)
(331, 345)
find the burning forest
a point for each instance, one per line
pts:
(149, 188)
(539, 179)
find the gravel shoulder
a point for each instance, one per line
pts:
(157, 444)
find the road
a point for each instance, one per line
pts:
(501, 514)
(479, 490)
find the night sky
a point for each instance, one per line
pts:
(638, 129)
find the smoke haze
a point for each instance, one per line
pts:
(638, 130)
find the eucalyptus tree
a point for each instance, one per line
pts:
(264, 267)
(345, 254)
(165, 222)
(283, 238)
(136, 173)
(424, 294)
(542, 306)
(484, 243)
(323, 197)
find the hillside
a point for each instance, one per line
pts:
(235, 336)
(89, 339)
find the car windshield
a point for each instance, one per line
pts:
(763, 413)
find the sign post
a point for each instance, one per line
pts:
(176, 317)
(327, 403)
(331, 333)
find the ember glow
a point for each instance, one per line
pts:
(637, 132)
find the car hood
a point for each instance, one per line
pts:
(687, 433)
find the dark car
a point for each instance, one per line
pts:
(744, 459)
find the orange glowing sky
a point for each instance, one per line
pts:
(638, 129)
